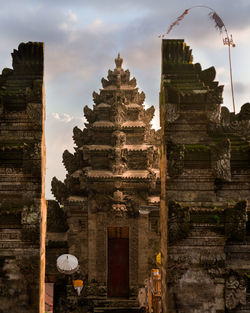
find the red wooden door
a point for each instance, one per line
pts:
(118, 262)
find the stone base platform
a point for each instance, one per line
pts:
(116, 306)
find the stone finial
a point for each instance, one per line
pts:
(28, 59)
(175, 51)
(118, 61)
(118, 196)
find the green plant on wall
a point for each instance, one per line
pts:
(217, 219)
(197, 148)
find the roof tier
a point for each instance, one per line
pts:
(117, 143)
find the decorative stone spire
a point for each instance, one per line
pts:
(118, 62)
(117, 142)
(175, 51)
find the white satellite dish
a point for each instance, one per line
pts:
(67, 264)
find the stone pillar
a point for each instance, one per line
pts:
(101, 249)
(219, 291)
(133, 258)
(142, 248)
(92, 236)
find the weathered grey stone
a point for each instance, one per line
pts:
(21, 176)
(207, 170)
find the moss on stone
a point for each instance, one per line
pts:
(197, 148)
(213, 217)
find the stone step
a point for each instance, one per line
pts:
(125, 303)
(116, 310)
(116, 305)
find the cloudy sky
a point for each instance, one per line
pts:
(82, 38)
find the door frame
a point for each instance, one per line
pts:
(127, 228)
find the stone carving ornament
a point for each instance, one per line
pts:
(213, 111)
(105, 82)
(235, 291)
(240, 128)
(30, 215)
(59, 190)
(118, 206)
(96, 98)
(118, 138)
(213, 264)
(118, 62)
(172, 112)
(89, 114)
(179, 222)
(132, 82)
(177, 266)
(118, 113)
(221, 160)
(175, 155)
(56, 217)
(138, 98)
(70, 162)
(132, 206)
(118, 196)
(235, 224)
(147, 115)
(237, 124)
(124, 205)
(150, 157)
(78, 136)
(119, 209)
(118, 161)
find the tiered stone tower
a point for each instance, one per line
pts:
(205, 183)
(116, 149)
(111, 191)
(22, 170)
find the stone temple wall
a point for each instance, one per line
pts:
(206, 251)
(21, 181)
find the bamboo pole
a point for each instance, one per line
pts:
(221, 26)
(231, 75)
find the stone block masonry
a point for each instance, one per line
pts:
(22, 165)
(205, 178)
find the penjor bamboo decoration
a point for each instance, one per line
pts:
(219, 24)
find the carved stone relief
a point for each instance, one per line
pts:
(175, 156)
(118, 113)
(147, 115)
(213, 264)
(118, 161)
(89, 114)
(179, 222)
(221, 160)
(237, 124)
(235, 291)
(177, 266)
(213, 111)
(59, 189)
(118, 138)
(235, 223)
(172, 112)
(30, 215)
(69, 161)
(118, 206)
